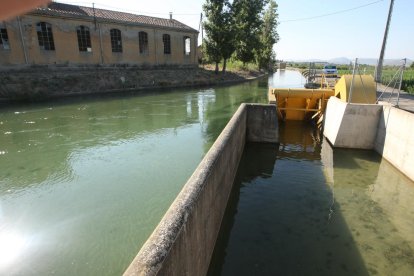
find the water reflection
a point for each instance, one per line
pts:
(287, 79)
(281, 221)
(12, 246)
(88, 179)
(347, 214)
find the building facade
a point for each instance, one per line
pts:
(67, 34)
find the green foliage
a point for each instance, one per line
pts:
(248, 21)
(236, 65)
(412, 65)
(213, 26)
(241, 30)
(227, 46)
(268, 36)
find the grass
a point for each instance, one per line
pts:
(387, 73)
(235, 66)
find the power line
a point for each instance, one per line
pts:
(332, 13)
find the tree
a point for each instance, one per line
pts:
(247, 20)
(412, 65)
(214, 32)
(227, 44)
(265, 55)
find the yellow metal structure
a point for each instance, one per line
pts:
(363, 89)
(302, 104)
(299, 103)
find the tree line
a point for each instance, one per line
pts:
(243, 30)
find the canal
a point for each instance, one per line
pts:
(304, 208)
(84, 181)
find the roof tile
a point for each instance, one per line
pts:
(60, 9)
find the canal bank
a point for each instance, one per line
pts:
(36, 83)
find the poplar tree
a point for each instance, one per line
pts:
(268, 37)
(227, 46)
(248, 21)
(214, 32)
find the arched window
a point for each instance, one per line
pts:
(167, 43)
(84, 39)
(116, 40)
(143, 42)
(45, 36)
(187, 45)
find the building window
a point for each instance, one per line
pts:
(143, 42)
(4, 39)
(116, 41)
(167, 43)
(45, 36)
(84, 39)
(187, 46)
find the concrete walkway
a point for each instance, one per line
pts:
(406, 101)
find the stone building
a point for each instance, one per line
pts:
(67, 34)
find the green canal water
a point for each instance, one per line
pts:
(302, 208)
(84, 181)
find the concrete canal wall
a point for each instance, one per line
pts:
(383, 128)
(184, 240)
(395, 138)
(44, 82)
(351, 125)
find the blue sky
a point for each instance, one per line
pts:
(351, 34)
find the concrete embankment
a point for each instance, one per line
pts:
(43, 82)
(394, 139)
(184, 240)
(383, 128)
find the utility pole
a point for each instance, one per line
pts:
(384, 43)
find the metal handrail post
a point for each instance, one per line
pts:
(352, 81)
(401, 78)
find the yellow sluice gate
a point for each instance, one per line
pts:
(364, 90)
(303, 104)
(299, 103)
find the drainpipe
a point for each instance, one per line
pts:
(195, 43)
(100, 43)
(155, 47)
(26, 60)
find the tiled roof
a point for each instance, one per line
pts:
(66, 10)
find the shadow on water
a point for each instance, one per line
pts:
(280, 218)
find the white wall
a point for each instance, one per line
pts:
(395, 138)
(351, 125)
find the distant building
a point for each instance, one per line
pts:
(68, 34)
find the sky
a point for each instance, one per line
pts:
(306, 30)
